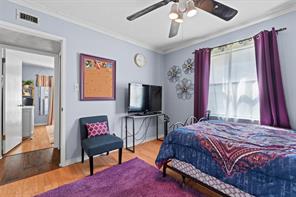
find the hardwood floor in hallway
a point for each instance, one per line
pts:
(40, 140)
(20, 166)
(55, 178)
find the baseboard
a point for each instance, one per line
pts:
(78, 159)
(70, 161)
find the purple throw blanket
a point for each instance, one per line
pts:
(240, 147)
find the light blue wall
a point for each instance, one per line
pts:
(83, 40)
(29, 73)
(178, 109)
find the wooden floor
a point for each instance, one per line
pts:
(20, 166)
(50, 180)
(40, 140)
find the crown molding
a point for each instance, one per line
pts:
(173, 48)
(193, 42)
(104, 31)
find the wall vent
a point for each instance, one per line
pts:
(27, 17)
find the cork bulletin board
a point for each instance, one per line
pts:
(97, 78)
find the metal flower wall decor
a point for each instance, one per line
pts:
(185, 89)
(174, 74)
(188, 66)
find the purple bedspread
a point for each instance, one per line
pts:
(257, 159)
(240, 147)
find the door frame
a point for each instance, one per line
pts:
(61, 60)
(57, 77)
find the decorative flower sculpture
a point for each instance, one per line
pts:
(184, 89)
(188, 66)
(174, 74)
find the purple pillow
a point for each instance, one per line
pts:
(96, 129)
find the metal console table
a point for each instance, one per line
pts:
(133, 118)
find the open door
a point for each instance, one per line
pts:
(12, 100)
(57, 102)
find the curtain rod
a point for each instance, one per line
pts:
(278, 30)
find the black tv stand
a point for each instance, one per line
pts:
(152, 113)
(146, 114)
(133, 117)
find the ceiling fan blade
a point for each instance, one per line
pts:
(148, 9)
(174, 29)
(218, 9)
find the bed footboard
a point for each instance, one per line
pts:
(187, 170)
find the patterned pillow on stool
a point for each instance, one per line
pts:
(96, 129)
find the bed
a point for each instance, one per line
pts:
(251, 159)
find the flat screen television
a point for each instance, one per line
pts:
(144, 98)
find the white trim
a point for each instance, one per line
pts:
(88, 26)
(26, 50)
(284, 10)
(1, 85)
(62, 40)
(221, 33)
(78, 159)
(63, 102)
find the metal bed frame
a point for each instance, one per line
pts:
(189, 121)
(184, 176)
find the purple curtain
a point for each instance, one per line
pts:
(273, 110)
(201, 81)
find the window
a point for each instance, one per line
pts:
(233, 91)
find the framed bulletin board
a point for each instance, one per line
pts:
(97, 78)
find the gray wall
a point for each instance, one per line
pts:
(178, 109)
(29, 73)
(83, 40)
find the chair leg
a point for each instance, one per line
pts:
(119, 156)
(82, 155)
(91, 165)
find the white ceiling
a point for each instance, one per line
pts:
(151, 30)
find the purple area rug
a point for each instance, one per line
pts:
(132, 178)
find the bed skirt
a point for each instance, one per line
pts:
(211, 181)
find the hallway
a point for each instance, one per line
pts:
(42, 139)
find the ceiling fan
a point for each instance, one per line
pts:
(188, 7)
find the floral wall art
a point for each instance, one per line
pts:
(188, 66)
(174, 74)
(184, 87)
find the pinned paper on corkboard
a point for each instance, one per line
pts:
(97, 78)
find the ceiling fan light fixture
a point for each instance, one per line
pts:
(182, 5)
(174, 12)
(180, 18)
(192, 11)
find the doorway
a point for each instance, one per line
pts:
(28, 120)
(30, 108)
